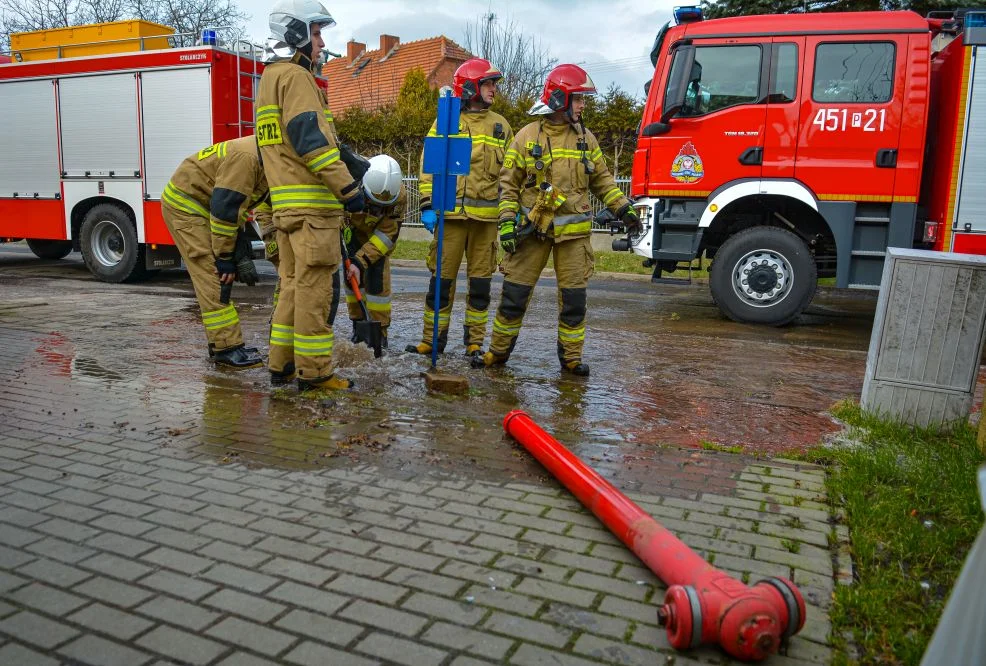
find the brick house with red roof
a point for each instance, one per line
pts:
(371, 79)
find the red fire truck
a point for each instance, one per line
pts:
(791, 147)
(89, 143)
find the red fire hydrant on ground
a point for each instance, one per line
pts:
(702, 604)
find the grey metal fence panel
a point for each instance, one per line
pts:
(412, 218)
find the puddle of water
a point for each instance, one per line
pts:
(666, 371)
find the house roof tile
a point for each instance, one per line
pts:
(374, 78)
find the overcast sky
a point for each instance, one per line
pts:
(610, 38)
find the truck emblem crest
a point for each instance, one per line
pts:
(687, 166)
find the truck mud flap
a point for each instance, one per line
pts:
(161, 256)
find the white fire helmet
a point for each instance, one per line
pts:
(382, 181)
(291, 20)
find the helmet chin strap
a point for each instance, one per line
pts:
(304, 57)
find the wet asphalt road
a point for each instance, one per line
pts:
(667, 370)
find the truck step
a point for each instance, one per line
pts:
(668, 280)
(872, 220)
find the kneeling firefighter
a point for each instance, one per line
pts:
(370, 239)
(205, 206)
(548, 172)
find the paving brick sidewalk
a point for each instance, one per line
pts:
(126, 540)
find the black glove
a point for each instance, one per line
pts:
(356, 163)
(246, 272)
(225, 265)
(356, 204)
(630, 220)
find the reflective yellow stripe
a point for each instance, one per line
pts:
(373, 306)
(218, 149)
(350, 297)
(425, 188)
(573, 228)
(443, 318)
(221, 318)
(476, 317)
(313, 345)
(489, 140)
(503, 328)
(263, 207)
(303, 196)
(281, 335)
(460, 135)
(509, 205)
(567, 152)
(566, 334)
(382, 242)
(328, 115)
(512, 156)
(181, 201)
(268, 111)
(316, 164)
(481, 213)
(612, 195)
(222, 229)
(596, 155)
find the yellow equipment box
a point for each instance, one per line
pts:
(88, 40)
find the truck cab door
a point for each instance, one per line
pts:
(852, 97)
(783, 107)
(717, 133)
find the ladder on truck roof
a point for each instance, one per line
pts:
(245, 125)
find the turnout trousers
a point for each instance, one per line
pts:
(477, 241)
(301, 333)
(573, 262)
(193, 236)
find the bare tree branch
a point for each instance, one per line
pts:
(188, 17)
(524, 61)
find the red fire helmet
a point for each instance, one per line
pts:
(471, 75)
(563, 82)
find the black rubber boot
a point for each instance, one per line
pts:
(237, 358)
(487, 360)
(576, 368)
(286, 376)
(423, 348)
(331, 383)
(249, 350)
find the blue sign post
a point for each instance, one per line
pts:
(446, 156)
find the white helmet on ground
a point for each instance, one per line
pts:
(291, 20)
(382, 181)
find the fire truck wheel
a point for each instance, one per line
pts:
(50, 249)
(763, 275)
(109, 244)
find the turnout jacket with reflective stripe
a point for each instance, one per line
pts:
(298, 144)
(375, 230)
(564, 152)
(221, 183)
(476, 195)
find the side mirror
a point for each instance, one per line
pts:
(681, 76)
(655, 129)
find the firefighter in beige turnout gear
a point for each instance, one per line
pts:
(371, 236)
(310, 188)
(205, 205)
(549, 170)
(471, 229)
